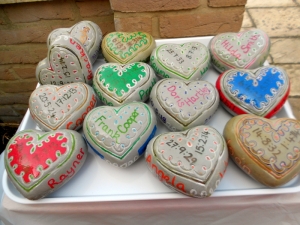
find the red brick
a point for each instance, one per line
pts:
(18, 86)
(131, 24)
(14, 98)
(152, 5)
(20, 109)
(25, 72)
(226, 3)
(211, 22)
(6, 73)
(94, 8)
(25, 34)
(27, 53)
(7, 110)
(11, 119)
(3, 18)
(35, 11)
(106, 24)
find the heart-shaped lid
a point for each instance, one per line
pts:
(244, 50)
(185, 101)
(121, 81)
(38, 163)
(194, 153)
(261, 92)
(53, 106)
(116, 133)
(126, 47)
(267, 150)
(87, 32)
(188, 61)
(67, 62)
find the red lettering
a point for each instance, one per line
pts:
(148, 160)
(52, 182)
(72, 41)
(78, 46)
(172, 88)
(162, 176)
(69, 172)
(226, 44)
(75, 163)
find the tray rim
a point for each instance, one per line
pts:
(142, 197)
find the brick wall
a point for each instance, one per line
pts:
(179, 18)
(24, 28)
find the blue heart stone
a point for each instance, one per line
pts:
(258, 90)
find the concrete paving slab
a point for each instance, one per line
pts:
(285, 50)
(273, 3)
(277, 22)
(293, 71)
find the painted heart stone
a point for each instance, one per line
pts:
(61, 107)
(67, 62)
(192, 162)
(181, 105)
(261, 92)
(39, 163)
(244, 50)
(267, 150)
(117, 84)
(119, 135)
(189, 61)
(87, 32)
(123, 47)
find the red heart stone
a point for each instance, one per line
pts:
(38, 163)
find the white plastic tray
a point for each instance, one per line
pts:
(99, 181)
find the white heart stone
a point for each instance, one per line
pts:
(119, 135)
(87, 32)
(67, 62)
(182, 105)
(191, 162)
(189, 61)
(245, 50)
(61, 107)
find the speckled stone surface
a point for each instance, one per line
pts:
(278, 21)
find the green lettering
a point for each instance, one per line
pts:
(204, 70)
(116, 136)
(129, 121)
(104, 128)
(148, 91)
(217, 64)
(100, 118)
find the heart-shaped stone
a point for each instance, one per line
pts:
(117, 84)
(123, 47)
(189, 61)
(267, 150)
(191, 162)
(261, 92)
(181, 105)
(87, 32)
(61, 107)
(67, 62)
(119, 135)
(39, 163)
(245, 50)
